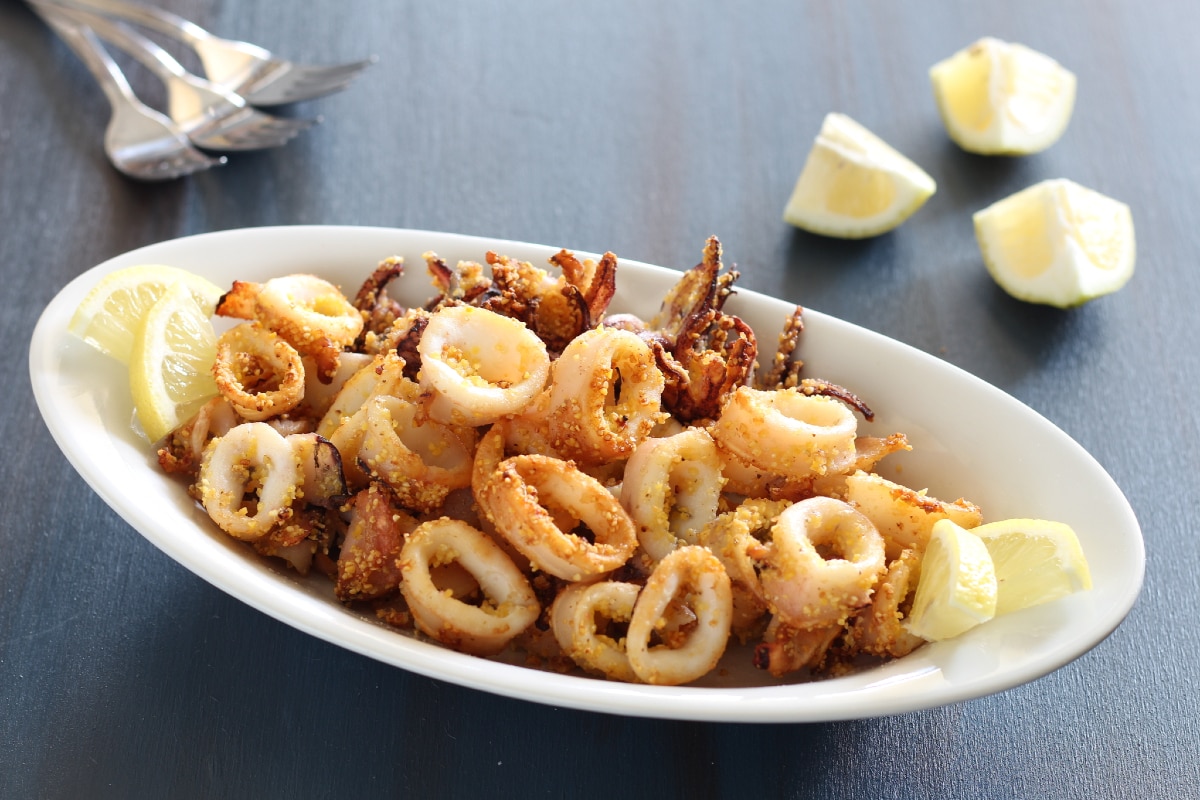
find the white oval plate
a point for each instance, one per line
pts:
(969, 439)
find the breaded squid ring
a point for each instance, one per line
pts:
(509, 605)
(573, 622)
(381, 376)
(421, 460)
(259, 373)
(479, 366)
(318, 394)
(345, 421)
(488, 455)
(605, 396)
(305, 309)
(671, 489)
(536, 502)
(807, 588)
(694, 576)
(250, 458)
(787, 432)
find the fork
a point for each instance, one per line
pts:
(140, 142)
(257, 75)
(211, 116)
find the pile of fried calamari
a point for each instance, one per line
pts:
(512, 466)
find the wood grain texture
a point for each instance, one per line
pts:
(640, 128)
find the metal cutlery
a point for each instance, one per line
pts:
(259, 76)
(139, 141)
(214, 113)
(212, 116)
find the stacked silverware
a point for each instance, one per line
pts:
(205, 116)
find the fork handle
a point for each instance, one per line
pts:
(155, 18)
(143, 49)
(92, 53)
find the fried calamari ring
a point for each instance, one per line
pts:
(537, 503)
(252, 459)
(259, 373)
(671, 489)
(479, 366)
(787, 432)
(382, 375)
(825, 558)
(310, 313)
(420, 459)
(605, 396)
(345, 421)
(573, 620)
(319, 394)
(509, 605)
(694, 576)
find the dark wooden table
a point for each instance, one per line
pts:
(639, 128)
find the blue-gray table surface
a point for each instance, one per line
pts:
(639, 128)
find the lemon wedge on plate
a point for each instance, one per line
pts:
(170, 365)
(110, 314)
(1036, 561)
(957, 588)
(1001, 98)
(854, 184)
(1057, 243)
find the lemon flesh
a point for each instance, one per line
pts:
(957, 588)
(1057, 243)
(170, 366)
(1001, 98)
(110, 314)
(854, 184)
(1036, 561)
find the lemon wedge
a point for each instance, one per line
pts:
(1001, 98)
(854, 184)
(1036, 561)
(109, 315)
(957, 588)
(1057, 243)
(170, 365)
